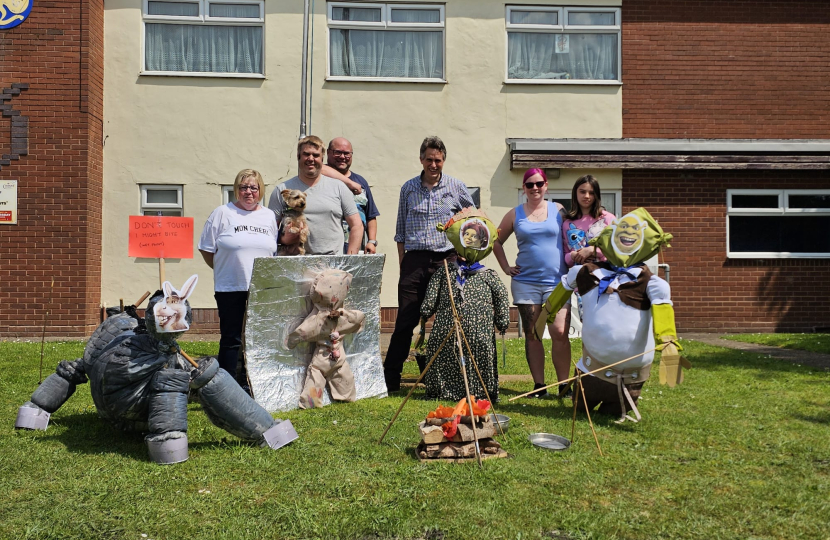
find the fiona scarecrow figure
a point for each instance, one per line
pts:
(627, 309)
(481, 302)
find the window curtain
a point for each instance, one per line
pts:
(238, 11)
(589, 56)
(355, 14)
(387, 53)
(203, 48)
(400, 15)
(178, 9)
(390, 53)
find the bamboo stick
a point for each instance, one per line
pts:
(466, 386)
(659, 347)
(590, 422)
(188, 358)
(142, 299)
(411, 390)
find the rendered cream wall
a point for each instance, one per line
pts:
(200, 131)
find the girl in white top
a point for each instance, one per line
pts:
(234, 235)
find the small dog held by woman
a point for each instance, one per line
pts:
(294, 222)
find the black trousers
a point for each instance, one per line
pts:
(417, 268)
(231, 307)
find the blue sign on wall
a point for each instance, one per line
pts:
(14, 12)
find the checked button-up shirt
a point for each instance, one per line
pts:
(421, 209)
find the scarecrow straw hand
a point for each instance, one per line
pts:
(671, 364)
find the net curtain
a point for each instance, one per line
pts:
(390, 53)
(590, 57)
(204, 48)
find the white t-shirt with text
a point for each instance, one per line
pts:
(236, 237)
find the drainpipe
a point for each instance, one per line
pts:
(304, 82)
(666, 268)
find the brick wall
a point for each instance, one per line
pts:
(711, 292)
(726, 69)
(58, 53)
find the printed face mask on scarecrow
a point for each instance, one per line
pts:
(631, 239)
(171, 314)
(471, 234)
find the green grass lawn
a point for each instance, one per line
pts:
(819, 343)
(740, 451)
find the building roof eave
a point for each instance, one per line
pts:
(670, 153)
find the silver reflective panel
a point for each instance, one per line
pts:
(279, 301)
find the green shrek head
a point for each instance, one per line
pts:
(631, 239)
(471, 233)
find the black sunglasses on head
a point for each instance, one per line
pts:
(531, 185)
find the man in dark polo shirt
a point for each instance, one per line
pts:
(339, 157)
(430, 198)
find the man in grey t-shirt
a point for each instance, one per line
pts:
(329, 201)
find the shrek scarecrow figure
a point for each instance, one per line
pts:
(482, 303)
(626, 308)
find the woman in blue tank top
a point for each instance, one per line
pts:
(540, 265)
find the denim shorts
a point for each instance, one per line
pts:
(530, 293)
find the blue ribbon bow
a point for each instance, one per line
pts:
(466, 270)
(606, 281)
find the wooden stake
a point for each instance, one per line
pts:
(466, 387)
(481, 379)
(187, 357)
(411, 390)
(121, 304)
(142, 299)
(161, 272)
(43, 334)
(585, 401)
(590, 372)
(573, 422)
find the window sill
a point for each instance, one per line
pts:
(563, 81)
(385, 79)
(201, 74)
(778, 255)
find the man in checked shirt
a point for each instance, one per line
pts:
(430, 198)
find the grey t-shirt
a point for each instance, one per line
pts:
(327, 203)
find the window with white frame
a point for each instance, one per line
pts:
(386, 41)
(778, 223)
(611, 199)
(161, 200)
(563, 44)
(228, 195)
(203, 37)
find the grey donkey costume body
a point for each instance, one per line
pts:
(139, 381)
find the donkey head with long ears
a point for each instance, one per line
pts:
(171, 312)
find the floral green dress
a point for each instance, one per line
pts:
(482, 305)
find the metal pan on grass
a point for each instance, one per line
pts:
(500, 419)
(549, 441)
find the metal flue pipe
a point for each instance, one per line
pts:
(304, 82)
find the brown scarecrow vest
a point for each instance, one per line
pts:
(631, 294)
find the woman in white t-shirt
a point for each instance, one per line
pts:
(234, 235)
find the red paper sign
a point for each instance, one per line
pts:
(5, 215)
(161, 237)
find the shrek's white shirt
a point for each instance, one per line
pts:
(613, 330)
(236, 237)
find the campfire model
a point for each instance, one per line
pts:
(447, 433)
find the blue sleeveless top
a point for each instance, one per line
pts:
(540, 258)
